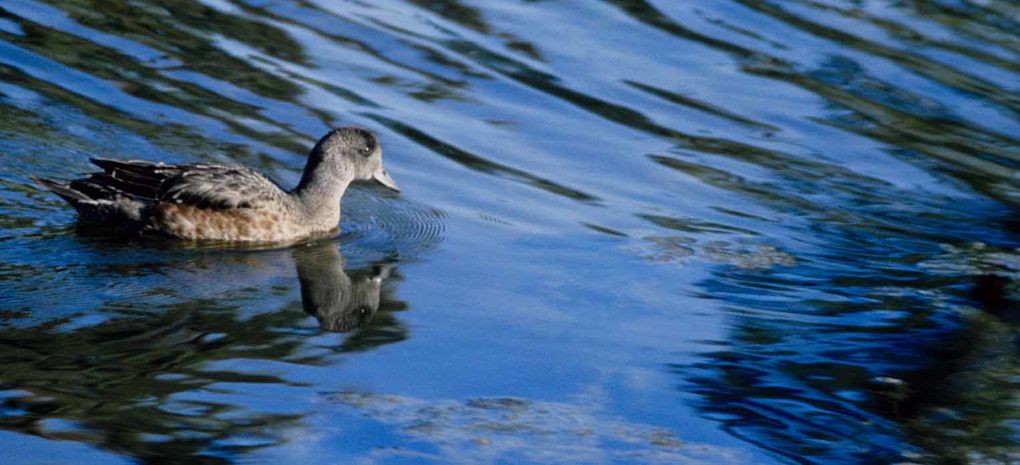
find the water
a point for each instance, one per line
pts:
(630, 232)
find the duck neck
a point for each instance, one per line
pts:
(319, 196)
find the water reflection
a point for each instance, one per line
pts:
(839, 178)
(161, 383)
(870, 358)
(124, 385)
(341, 301)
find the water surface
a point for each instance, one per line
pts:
(630, 232)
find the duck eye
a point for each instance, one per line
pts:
(368, 148)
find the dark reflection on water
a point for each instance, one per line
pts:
(127, 384)
(807, 210)
(345, 300)
(873, 355)
(114, 385)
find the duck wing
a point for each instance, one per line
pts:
(211, 187)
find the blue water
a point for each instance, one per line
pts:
(630, 232)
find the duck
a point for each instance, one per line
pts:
(208, 202)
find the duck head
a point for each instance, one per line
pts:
(348, 153)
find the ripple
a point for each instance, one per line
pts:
(387, 226)
(835, 175)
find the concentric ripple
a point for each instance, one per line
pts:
(376, 226)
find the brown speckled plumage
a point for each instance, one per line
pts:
(226, 203)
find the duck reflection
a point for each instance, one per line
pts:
(163, 356)
(340, 300)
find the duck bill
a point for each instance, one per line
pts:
(382, 177)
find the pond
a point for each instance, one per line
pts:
(630, 232)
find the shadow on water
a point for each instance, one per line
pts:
(128, 384)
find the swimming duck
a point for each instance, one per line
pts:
(227, 203)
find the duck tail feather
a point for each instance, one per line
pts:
(109, 165)
(62, 189)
